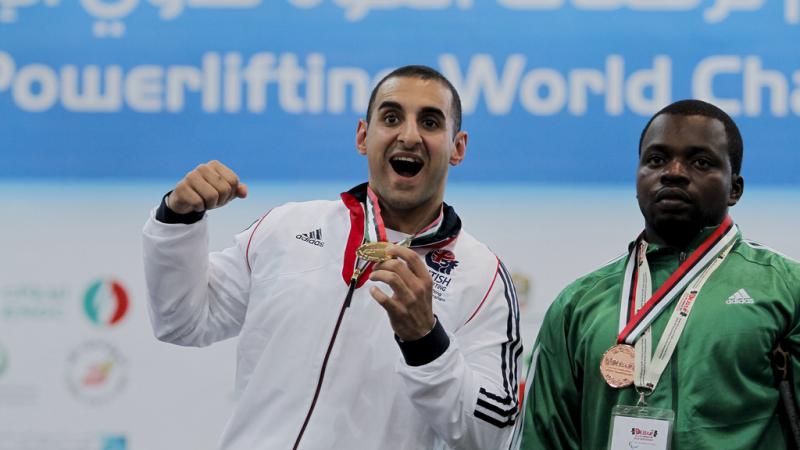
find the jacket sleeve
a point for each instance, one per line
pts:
(791, 342)
(469, 393)
(551, 419)
(195, 298)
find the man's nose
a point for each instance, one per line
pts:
(675, 171)
(409, 134)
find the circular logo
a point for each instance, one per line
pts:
(106, 302)
(3, 360)
(96, 371)
(443, 261)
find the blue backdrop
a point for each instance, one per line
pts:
(553, 90)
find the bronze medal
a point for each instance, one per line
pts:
(374, 251)
(617, 365)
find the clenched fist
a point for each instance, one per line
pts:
(208, 186)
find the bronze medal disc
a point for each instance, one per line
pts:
(374, 251)
(617, 365)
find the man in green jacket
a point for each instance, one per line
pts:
(646, 329)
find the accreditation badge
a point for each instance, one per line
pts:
(640, 427)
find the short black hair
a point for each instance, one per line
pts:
(422, 73)
(693, 107)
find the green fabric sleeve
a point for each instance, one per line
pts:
(791, 342)
(552, 419)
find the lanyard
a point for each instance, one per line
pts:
(649, 369)
(629, 361)
(375, 230)
(636, 315)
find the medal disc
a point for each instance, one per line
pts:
(374, 251)
(617, 365)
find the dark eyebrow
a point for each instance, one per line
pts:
(657, 147)
(695, 149)
(432, 110)
(388, 104)
(690, 151)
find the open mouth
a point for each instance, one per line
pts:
(406, 166)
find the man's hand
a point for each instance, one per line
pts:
(208, 186)
(410, 308)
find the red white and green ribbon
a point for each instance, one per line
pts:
(649, 370)
(635, 319)
(375, 230)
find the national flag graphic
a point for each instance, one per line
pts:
(106, 302)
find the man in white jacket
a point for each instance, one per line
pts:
(345, 340)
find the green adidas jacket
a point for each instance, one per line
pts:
(719, 382)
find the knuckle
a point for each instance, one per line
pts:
(211, 197)
(427, 282)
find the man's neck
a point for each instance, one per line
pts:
(679, 237)
(409, 221)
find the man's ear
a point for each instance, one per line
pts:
(737, 189)
(361, 137)
(460, 150)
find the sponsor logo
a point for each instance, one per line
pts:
(644, 433)
(312, 237)
(106, 302)
(740, 297)
(96, 372)
(687, 305)
(522, 285)
(54, 440)
(33, 301)
(440, 264)
(3, 360)
(114, 443)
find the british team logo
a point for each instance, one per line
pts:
(106, 302)
(96, 372)
(441, 264)
(442, 261)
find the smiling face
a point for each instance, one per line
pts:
(409, 143)
(684, 181)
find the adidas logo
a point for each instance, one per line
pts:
(312, 237)
(739, 297)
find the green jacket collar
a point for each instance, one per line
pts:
(660, 249)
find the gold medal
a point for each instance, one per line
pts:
(617, 365)
(374, 251)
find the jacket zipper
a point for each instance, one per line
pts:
(345, 305)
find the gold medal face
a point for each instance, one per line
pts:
(617, 365)
(374, 251)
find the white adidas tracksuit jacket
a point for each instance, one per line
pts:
(314, 374)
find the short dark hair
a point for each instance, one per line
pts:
(693, 107)
(422, 73)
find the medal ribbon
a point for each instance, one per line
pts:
(649, 371)
(375, 230)
(634, 320)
